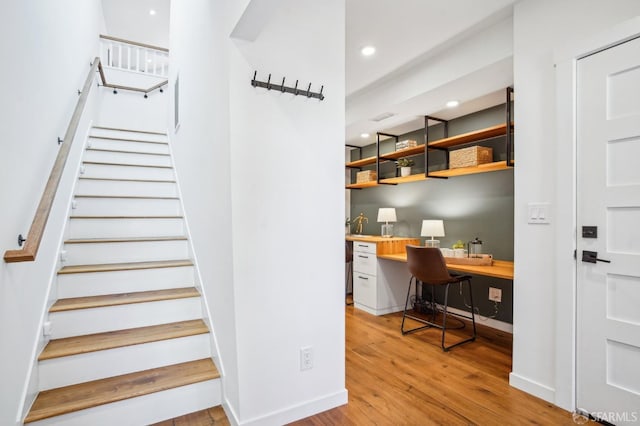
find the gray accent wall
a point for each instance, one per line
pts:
(479, 205)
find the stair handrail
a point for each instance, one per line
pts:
(29, 250)
(134, 89)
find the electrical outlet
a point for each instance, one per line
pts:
(306, 358)
(46, 329)
(495, 294)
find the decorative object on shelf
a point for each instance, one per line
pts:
(407, 143)
(470, 157)
(432, 228)
(474, 248)
(481, 260)
(358, 221)
(285, 89)
(404, 164)
(366, 176)
(386, 215)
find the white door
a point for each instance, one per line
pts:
(608, 188)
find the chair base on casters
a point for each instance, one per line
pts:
(432, 323)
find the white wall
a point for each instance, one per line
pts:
(256, 168)
(542, 347)
(201, 152)
(46, 49)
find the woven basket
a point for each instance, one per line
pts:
(365, 176)
(468, 157)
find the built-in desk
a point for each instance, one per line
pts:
(380, 276)
(499, 269)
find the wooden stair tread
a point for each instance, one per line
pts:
(116, 339)
(127, 140)
(133, 197)
(107, 267)
(56, 402)
(127, 217)
(87, 302)
(103, 163)
(123, 240)
(122, 151)
(127, 180)
(129, 130)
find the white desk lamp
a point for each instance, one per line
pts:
(432, 228)
(386, 215)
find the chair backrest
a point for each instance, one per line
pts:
(427, 265)
(348, 251)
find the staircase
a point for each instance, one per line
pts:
(128, 342)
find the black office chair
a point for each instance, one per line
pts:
(348, 250)
(427, 266)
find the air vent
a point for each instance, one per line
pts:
(382, 116)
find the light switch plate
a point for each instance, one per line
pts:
(538, 213)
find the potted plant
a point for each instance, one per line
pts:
(404, 164)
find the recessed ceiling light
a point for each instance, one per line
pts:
(364, 135)
(148, 61)
(368, 50)
(452, 104)
(152, 12)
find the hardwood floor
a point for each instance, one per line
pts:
(408, 380)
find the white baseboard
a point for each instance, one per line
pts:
(489, 322)
(291, 414)
(533, 388)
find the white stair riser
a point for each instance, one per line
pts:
(116, 282)
(126, 172)
(156, 148)
(147, 409)
(107, 228)
(138, 251)
(69, 370)
(126, 158)
(110, 318)
(86, 206)
(113, 187)
(128, 135)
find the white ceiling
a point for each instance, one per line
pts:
(411, 37)
(131, 20)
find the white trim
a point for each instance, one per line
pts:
(297, 412)
(215, 349)
(566, 61)
(529, 386)
(486, 321)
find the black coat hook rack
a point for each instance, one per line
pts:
(285, 89)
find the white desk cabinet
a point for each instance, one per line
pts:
(379, 285)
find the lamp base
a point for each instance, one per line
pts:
(387, 230)
(432, 243)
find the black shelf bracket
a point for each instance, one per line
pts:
(378, 134)
(509, 123)
(426, 145)
(286, 89)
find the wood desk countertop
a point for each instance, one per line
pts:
(500, 268)
(385, 245)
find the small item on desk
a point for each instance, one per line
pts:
(474, 248)
(358, 222)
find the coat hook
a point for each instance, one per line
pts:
(269, 83)
(321, 89)
(296, 89)
(282, 85)
(309, 90)
(253, 82)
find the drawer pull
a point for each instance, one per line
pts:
(363, 278)
(362, 245)
(363, 257)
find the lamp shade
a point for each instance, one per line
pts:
(387, 214)
(432, 228)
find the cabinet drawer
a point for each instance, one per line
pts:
(364, 290)
(361, 247)
(365, 263)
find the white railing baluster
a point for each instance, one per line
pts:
(137, 57)
(129, 57)
(120, 56)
